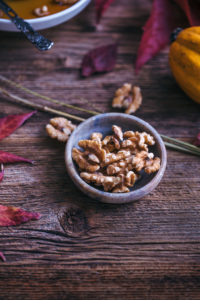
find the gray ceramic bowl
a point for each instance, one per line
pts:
(103, 123)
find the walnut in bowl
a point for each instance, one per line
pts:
(147, 166)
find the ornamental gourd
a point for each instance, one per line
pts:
(184, 60)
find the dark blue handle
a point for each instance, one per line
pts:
(33, 36)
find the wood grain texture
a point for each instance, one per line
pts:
(82, 249)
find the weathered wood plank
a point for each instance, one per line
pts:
(82, 249)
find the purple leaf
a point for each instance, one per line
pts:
(12, 216)
(1, 173)
(98, 60)
(165, 17)
(7, 158)
(2, 257)
(100, 7)
(10, 123)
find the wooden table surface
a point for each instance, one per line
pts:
(80, 248)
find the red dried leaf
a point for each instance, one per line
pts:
(197, 140)
(1, 173)
(100, 7)
(165, 17)
(8, 158)
(191, 10)
(10, 123)
(12, 216)
(98, 60)
(2, 257)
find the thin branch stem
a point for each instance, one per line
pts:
(39, 106)
(169, 142)
(19, 86)
(181, 148)
(180, 143)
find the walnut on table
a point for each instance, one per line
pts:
(115, 161)
(128, 98)
(136, 100)
(60, 129)
(122, 96)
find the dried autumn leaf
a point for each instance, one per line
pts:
(2, 257)
(10, 123)
(197, 140)
(6, 158)
(7, 126)
(1, 173)
(12, 216)
(165, 17)
(191, 10)
(98, 60)
(100, 7)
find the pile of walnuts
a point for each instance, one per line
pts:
(115, 162)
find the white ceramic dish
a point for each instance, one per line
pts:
(48, 21)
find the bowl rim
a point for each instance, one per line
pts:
(117, 198)
(50, 17)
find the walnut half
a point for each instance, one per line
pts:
(60, 129)
(128, 97)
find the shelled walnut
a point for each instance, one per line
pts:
(115, 161)
(60, 129)
(128, 97)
